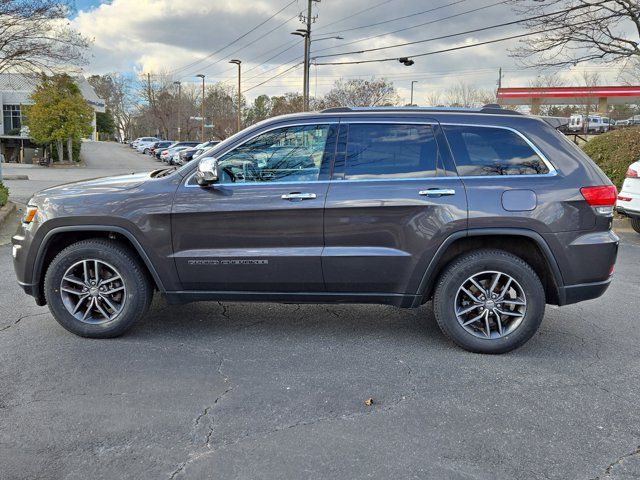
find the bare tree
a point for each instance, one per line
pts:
(34, 38)
(578, 31)
(434, 99)
(117, 91)
(362, 93)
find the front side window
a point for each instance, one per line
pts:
(482, 151)
(287, 154)
(379, 151)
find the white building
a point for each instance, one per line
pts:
(15, 90)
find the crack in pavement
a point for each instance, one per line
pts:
(620, 460)
(224, 313)
(198, 453)
(201, 453)
(22, 318)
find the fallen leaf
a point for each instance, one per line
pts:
(368, 402)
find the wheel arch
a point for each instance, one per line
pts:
(60, 237)
(526, 244)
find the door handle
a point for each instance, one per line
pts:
(437, 191)
(298, 196)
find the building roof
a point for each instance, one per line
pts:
(15, 88)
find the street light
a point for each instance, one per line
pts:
(306, 34)
(179, 102)
(201, 75)
(238, 62)
(412, 82)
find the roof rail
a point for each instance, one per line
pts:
(491, 108)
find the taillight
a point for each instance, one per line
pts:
(602, 198)
(624, 199)
(631, 173)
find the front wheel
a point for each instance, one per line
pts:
(489, 301)
(146, 151)
(97, 288)
(635, 224)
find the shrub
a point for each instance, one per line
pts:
(4, 195)
(614, 151)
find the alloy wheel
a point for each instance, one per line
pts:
(490, 305)
(93, 291)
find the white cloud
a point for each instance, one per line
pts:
(163, 35)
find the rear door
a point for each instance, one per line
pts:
(260, 227)
(392, 200)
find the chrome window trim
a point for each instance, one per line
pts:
(189, 177)
(552, 170)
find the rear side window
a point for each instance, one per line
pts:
(492, 151)
(378, 151)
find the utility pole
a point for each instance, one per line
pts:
(411, 102)
(179, 105)
(238, 62)
(499, 84)
(202, 106)
(306, 33)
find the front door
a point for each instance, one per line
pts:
(394, 197)
(260, 227)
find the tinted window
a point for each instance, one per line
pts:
(390, 151)
(288, 154)
(492, 151)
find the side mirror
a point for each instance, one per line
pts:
(207, 171)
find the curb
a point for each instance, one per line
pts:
(6, 211)
(15, 177)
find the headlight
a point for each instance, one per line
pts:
(30, 214)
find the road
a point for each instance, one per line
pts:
(226, 390)
(99, 160)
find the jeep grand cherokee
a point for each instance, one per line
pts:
(489, 213)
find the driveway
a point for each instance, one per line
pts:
(100, 159)
(226, 390)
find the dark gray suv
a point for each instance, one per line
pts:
(489, 213)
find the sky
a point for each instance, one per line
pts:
(184, 38)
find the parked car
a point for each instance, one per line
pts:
(189, 154)
(137, 141)
(143, 146)
(488, 213)
(167, 155)
(623, 123)
(159, 145)
(595, 124)
(629, 197)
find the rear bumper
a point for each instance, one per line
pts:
(627, 212)
(586, 291)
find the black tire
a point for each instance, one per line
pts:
(455, 275)
(138, 293)
(635, 224)
(146, 151)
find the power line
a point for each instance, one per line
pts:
(452, 49)
(350, 16)
(441, 37)
(234, 41)
(430, 22)
(397, 18)
(275, 76)
(231, 54)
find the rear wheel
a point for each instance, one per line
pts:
(489, 301)
(635, 224)
(97, 288)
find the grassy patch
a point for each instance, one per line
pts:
(4, 195)
(615, 151)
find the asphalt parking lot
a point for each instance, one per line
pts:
(246, 391)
